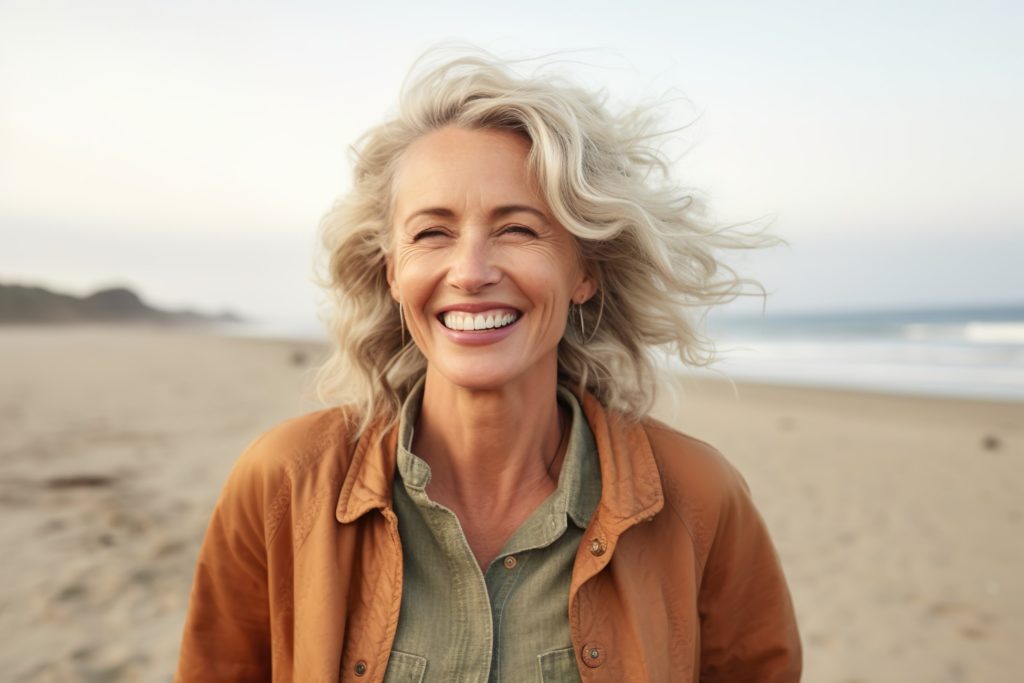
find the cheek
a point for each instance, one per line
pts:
(415, 277)
(549, 290)
(562, 260)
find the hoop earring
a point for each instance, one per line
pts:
(401, 322)
(600, 312)
(583, 332)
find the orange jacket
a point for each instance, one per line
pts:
(300, 575)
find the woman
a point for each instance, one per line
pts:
(491, 503)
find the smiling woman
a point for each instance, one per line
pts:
(596, 173)
(489, 501)
(489, 249)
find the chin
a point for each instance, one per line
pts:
(489, 370)
(473, 379)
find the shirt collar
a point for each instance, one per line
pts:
(579, 482)
(631, 490)
(580, 479)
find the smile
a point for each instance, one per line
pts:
(484, 320)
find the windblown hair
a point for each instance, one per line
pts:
(646, 240)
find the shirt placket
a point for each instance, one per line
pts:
(475, 635)
(502, 577)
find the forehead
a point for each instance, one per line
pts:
(464, 167)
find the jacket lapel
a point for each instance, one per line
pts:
(367, 484)
(630, 488)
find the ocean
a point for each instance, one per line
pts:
(963, 352)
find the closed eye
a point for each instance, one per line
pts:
(429, 232)
(519, 230)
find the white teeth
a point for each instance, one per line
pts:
(456, 320)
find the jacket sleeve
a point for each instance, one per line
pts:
(748, 627)
(227, 629)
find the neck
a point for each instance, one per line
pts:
(490, 450)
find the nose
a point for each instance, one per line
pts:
(472, 266)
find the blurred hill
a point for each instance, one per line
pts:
(20, 305)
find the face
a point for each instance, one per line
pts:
(483, 272)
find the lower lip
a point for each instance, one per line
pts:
(479, 337)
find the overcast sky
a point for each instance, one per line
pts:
(188, 149)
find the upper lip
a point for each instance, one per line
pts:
(479, 307)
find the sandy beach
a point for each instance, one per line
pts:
(898, 519)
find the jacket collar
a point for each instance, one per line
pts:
(367, 483)
(631, 485)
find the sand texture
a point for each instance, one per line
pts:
(899, 520)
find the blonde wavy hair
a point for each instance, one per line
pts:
(646, 240)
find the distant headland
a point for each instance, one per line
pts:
(21, 304)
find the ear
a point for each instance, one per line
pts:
(390, 275)
(586, 288)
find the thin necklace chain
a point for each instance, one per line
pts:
(562, 436)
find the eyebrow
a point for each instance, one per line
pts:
(499, 212)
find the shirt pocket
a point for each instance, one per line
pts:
(405, 668)
(558, 666)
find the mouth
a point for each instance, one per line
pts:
(483, 320)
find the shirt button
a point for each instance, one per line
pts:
(511, 562)
(597, 547)
(360, 668)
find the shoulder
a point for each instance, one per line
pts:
(685, 459)
(293, 446)
(310, 451)
(296, 446)
(700, 486)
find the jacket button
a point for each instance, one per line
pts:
(597, 546)
(593, 654)
(360, 668)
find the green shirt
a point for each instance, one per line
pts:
(510, 623)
